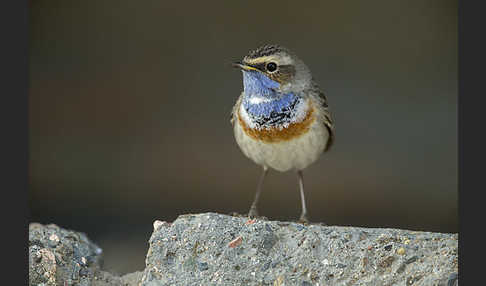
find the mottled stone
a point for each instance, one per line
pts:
(55, 255)
(264, 252)
(63, 257)
(214, 249)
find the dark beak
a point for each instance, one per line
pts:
(243, 66)
(238, 65)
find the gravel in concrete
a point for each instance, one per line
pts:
(214, 249)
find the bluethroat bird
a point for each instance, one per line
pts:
(281, 120)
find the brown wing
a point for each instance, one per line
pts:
(328, 121)
(330, 127)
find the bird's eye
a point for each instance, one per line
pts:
(271, 67)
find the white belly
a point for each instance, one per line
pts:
(294, 154)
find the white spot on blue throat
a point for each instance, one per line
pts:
(261, 96)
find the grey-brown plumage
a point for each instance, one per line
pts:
(328, 121)
(299, 127)
(266, 50)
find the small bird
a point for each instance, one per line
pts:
(281, 120)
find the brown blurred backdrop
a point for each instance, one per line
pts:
(130, 104)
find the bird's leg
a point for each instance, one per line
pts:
(303, 215)
(253, 209)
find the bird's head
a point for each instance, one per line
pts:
(273, 69)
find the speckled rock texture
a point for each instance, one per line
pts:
(62, 257)
(214, 249)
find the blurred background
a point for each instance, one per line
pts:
(130, 104)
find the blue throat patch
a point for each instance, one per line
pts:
(280, 105)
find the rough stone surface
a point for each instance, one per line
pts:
(213, 249)
(62, 257)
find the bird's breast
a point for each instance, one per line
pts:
(280, 126)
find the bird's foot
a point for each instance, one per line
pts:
(304, 219)
(253, 213)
